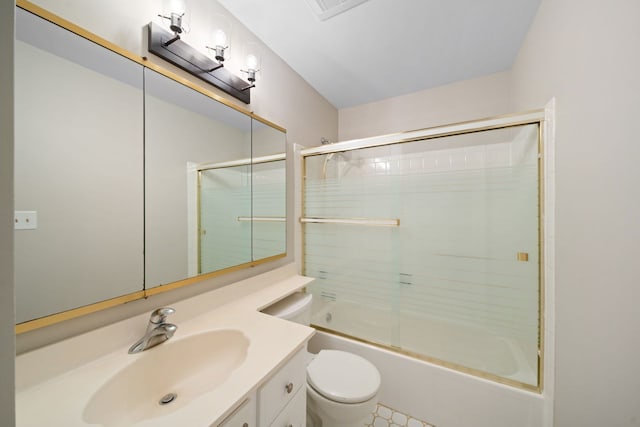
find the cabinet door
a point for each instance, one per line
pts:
(244, 416)
(295, 413)
(280, 389)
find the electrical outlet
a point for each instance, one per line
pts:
(26, 220)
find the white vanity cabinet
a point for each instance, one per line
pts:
(243, 416)
(295, 413)
(282, 399)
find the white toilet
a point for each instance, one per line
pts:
(342, 388)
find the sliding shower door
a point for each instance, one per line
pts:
(224, 200)
(431, 248)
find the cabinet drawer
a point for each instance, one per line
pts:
(243, 416)
(295, 413)
(279, 390)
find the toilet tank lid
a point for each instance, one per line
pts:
(290, 306)
(343, 377)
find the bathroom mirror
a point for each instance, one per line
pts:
(78, 171)
(196, 185)
(214, 184)
(128, 178)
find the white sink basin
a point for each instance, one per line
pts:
(188, 368)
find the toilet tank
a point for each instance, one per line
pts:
(296, 308)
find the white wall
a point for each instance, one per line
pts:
(467, 100)
(586, 54)
(7, 318)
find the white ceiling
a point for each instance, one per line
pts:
(385, 48)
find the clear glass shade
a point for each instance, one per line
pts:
(252, 56)
(220, 31)
(175, 14)
(174, 6)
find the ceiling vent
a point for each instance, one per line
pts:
(326, 9)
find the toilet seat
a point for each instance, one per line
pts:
(343, 377)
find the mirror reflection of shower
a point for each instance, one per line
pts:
(239, 211)
(341, 162)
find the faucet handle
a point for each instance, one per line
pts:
(159, 315)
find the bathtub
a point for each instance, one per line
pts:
(431, 388)
(452, 345)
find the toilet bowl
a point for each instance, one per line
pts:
(342, 388)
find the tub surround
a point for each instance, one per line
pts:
(442, 396)
(54, 384)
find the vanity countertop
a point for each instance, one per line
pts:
(54, 384)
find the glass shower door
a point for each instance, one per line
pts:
(431, 248)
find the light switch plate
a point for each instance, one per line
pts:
(26, 220)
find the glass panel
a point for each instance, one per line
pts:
(187, 132)
(225, 199)
(269, 191)
(78, 170)
(458, 279)
(269, 209)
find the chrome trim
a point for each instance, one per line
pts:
(158, 331)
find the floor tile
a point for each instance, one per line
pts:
(385, 416)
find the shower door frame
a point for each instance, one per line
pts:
(541, 117)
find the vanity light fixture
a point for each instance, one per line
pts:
(252, 62)
(171, 48)
(220, 37)
(174, 11)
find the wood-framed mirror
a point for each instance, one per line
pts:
(114, 186)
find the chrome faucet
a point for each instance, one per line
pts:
(158, 330)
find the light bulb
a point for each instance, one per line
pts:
(220, 38)
(252, 62)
